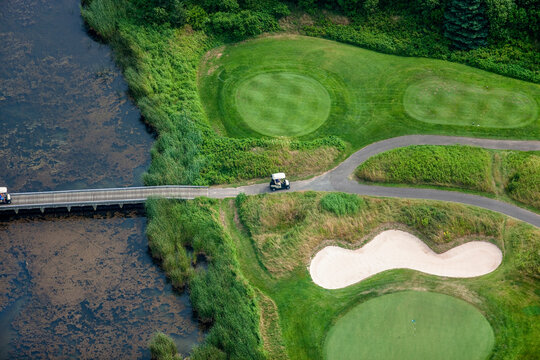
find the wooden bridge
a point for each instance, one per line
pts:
(98, 197)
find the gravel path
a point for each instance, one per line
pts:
(339, 178)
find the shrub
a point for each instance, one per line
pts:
(197, 17)
(162, 347)
(524, 177)
(341, 203)
(102, 16)
(242, 24)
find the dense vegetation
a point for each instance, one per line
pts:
(465, 24)
(220, 295)
(416, 28)
(512, 173)
(160, 64)
(275, 251)
(159, 44)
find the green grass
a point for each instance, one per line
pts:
(411, 325)
(455, 103)
(282, 104)
(220, 295)
(341, 203)
(274, 252)
(509, 175)
(372, 95)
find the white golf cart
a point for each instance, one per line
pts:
(279, 182)
(5, 197)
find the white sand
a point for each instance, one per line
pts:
(334, 267)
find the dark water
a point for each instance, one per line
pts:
(74, 287)
(66, 120)
(85, 288)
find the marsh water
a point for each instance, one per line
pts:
(74, 286)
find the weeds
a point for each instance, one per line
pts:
(220, 295)
(341, 203)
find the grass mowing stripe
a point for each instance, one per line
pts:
(373, 96)
(282, 104)
(449, 102)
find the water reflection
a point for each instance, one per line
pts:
(65, 119)
(85, 287)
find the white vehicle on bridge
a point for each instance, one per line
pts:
(279, 182)
(5, 198)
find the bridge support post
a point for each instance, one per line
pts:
(42, 209)
(121, 205)
(16, 211)
(95, 207)
(68, 208)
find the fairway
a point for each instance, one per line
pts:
(282, 103)
(411, 325)
(309, 88)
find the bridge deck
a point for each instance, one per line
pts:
(94, 197)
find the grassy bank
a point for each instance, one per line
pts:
(277, 235)
(220, 295)
(506, 174)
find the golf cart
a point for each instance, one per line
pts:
(279, 182)
(5, 197)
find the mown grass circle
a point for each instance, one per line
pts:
(411, 325)
(282, 103)
(443, 101)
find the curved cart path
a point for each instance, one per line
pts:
(339, 178)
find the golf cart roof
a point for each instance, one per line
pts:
(278, 176)
(3, 189)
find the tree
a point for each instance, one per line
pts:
(465, 24)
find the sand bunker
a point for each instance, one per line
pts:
(334, 267)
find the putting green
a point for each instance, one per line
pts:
(282, 103)
(411, 325)
(443, 101)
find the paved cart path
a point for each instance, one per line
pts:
(337, 179)
(340, 178)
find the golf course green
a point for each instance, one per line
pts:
(454, 103)
(282, 104)
(411, 325)
(304, 87)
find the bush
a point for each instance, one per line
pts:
(524, 177)
(102, 16)
(162, 347)
(242, 24)
(197, 17)
(341, 204)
